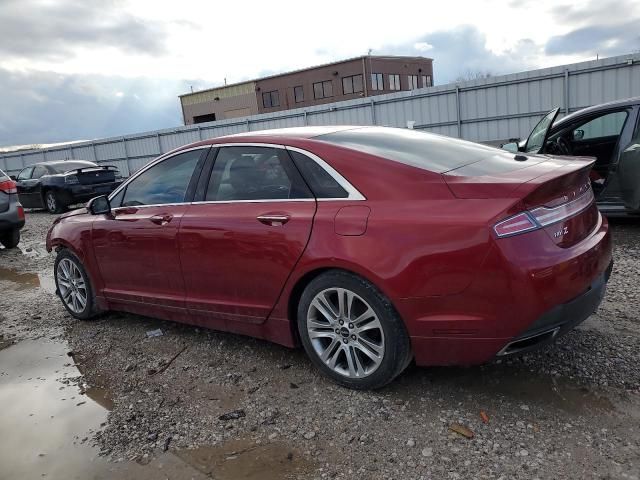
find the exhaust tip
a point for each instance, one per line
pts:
(532, 341)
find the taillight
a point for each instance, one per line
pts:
(8, 187)
(542, 216)
(519, 223)
(20, 212)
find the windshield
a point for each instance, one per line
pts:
(539, 133)
(66, 166)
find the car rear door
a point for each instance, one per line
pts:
(243, 236)
(628, 170)
(136, 246)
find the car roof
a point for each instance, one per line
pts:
(292, 132)
(627, 102)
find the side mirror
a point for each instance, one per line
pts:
(578, 134)
(510, 147)
(99, 205)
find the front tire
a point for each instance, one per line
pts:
(73, 286)
(10, 239)
(351, 332)
(53, 203)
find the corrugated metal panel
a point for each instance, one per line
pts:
(111, 150)
(83, 153)
(491, 109)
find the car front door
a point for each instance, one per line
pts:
(242, 238)
(25, 186)
(136, 246)
(628, 171)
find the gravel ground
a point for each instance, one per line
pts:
(569, 411)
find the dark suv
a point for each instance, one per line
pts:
(56, 185)
(11, 212)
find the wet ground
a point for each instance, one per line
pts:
(102, 399)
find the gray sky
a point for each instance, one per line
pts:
(87, 69)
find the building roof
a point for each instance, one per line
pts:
(385, 57)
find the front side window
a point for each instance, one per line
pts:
(413, 81)
(25, 174)
(298, 94)
(352, 84)
(254, 173)
(323, 89)
(394, 82)
(164, 183)
(271, 99)
(608, 125)
(377, 81)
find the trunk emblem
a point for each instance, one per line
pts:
(561, 232)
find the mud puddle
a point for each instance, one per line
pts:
(496, 382)
(27, 281)
(49, 417)
(244, 459)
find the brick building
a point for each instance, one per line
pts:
(344, 80)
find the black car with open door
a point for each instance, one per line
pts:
(611, 134)
(58, 184)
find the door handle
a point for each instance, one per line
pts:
(273, 220)
(161, 219)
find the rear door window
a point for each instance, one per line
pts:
(255, 173)
(164, 183)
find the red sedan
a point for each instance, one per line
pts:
(370, 246)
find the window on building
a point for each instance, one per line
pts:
(352, 84)
(208, 117)
(377, 81)
(413, 81)
(426, 81)
(298, 94)
(323, 89)
(271, 99)
(394, 82)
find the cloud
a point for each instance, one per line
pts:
(31, 29)
(46, 107)
(463, 49)
(422, 46)
(597, 39)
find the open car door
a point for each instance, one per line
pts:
(629, 173)
(538, 136)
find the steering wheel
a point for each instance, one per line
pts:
(564, 147)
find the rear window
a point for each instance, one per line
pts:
(428, 151)
(66, 166)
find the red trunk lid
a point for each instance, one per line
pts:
(555, 191)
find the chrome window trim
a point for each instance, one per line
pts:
(353, 194)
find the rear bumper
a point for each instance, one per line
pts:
(11, 219)
(84, 193)
(560, 319)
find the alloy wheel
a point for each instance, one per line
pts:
(71, 285)
(345, 332)
(51, 202)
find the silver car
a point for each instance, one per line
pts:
(11, 212)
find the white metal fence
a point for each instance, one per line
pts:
(486, 110)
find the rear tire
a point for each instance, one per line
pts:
(53, 203)
(10, 239)
(359, 342)
(73, 286)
